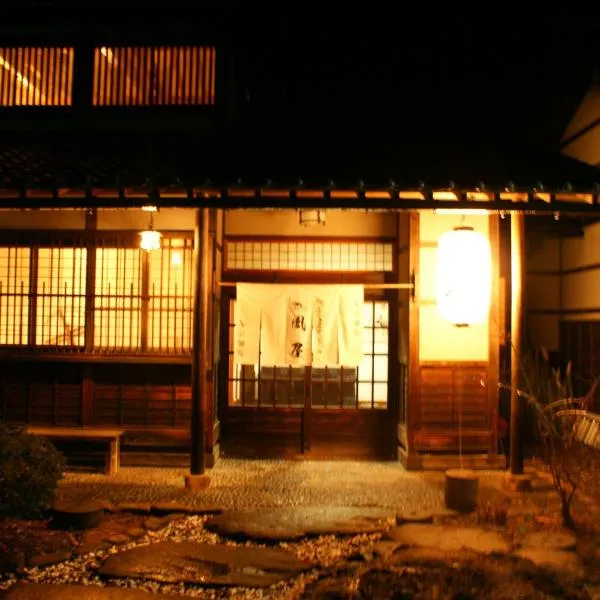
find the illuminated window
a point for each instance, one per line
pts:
(36, 76)
(170, 293)
(14, 295)
(330, 387)
(153, 76)
(118, 299)
(60, 297)
(308, 256)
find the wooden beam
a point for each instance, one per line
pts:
(517, 243)
(197, 464)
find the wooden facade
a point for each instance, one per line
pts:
(95, 331)
(396, 405)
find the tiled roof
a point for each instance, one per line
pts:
(193, 159)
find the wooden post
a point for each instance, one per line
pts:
(517, 241)
(196, 480)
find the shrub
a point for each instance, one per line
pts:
(30, 469)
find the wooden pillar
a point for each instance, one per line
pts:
(199, 327)
(517, 242)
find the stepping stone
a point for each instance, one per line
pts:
(385, 548)
(161, 509)
(49, 558)
(205, 564)
(117, 539)
(64, 591)
(135, 532)
(447, 538)
(555, 540)
(76, 515)
(559, 560)
(137, 508)
(286, 524)
(414, 517)
(157, 523)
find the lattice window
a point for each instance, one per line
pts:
(118, 299)
(330, 387)
(151, 76)
(170, 296)
(36, 76)
(14, 295)
(60, 298)
(360, 256)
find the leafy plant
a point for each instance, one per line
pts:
(30, 469)
(553, 408)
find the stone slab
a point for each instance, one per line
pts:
(160, 509)
(49, 558)
(559, 560)
(556, 540)
(137, 508)
(286, 524)
(63, 591)
(448, 538)
(205, 564)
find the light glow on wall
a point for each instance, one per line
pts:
(464, 276)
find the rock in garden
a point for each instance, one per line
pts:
(558, 560)
(556, 540)
(157, 523)
(448, 538)
(160, 509)
(285, 524)
(137, 508)
(205, 564)
(48, 558)
(76, 515)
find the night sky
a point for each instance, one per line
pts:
(371, 73)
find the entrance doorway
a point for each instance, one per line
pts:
(317, 412)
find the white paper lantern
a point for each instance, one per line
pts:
(150, 240)
(464, 276)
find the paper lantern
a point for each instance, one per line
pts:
(150, 240)
(464, 276)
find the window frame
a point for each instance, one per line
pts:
(90, 242)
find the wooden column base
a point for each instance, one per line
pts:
(196, 483)
(462, 487)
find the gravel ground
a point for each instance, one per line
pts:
(245, 484)
(239, 484)
(325, 550)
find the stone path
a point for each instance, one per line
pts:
(205, 564)
(248, 484)
(286, 524)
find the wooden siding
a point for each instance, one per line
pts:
(451, 397)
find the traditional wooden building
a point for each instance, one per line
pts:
(112, 139)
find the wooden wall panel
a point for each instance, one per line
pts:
(262, 432)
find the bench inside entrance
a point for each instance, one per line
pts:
(111, 437)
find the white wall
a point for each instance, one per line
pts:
(438, 339)
(542, 291)
(339, 223)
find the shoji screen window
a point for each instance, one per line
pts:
(14, 295)
(170, 296)
(118, 299)
(60, 298)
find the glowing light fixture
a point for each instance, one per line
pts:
(150, 238)
(312, 217)
(464, 276)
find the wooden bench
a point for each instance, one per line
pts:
(91, 434)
